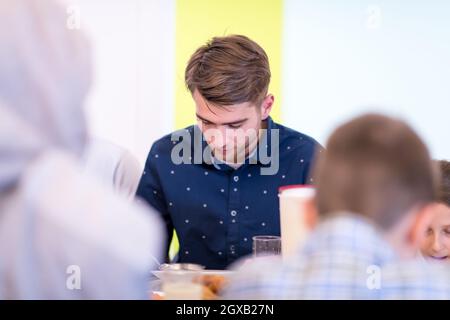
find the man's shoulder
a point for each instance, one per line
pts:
(292, 134)
(296, 141)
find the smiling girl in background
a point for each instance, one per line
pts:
(437, 240)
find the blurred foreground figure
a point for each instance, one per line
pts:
(375, 182)
(62, 235)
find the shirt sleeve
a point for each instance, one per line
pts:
(150, 190)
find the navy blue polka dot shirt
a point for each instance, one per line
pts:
(214, 208)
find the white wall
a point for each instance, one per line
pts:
(342, 58)
(131, 102)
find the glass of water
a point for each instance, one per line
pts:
(266, 246)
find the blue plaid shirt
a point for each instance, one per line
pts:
(215, 209)
(345, 258)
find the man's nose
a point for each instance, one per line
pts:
(216, 137)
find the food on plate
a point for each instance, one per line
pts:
(213, 284)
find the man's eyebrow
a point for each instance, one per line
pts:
(235, 122)
(203, 119)
(225, 124)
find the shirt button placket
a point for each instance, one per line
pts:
(233, 235)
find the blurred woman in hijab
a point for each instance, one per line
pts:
(62, 235)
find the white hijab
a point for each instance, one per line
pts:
(55, 223)
(45, 74)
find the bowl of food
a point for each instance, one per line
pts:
(181, 267)
(211, 281)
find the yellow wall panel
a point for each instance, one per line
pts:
(197, 21)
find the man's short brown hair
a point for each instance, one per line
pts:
(377, 167)
(229, 70)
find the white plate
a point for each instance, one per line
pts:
(225, 273)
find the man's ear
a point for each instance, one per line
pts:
(420, 223)
(266, 106)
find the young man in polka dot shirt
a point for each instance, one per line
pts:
(216, 183)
